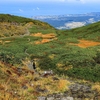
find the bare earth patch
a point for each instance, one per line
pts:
(0, 41)
(7, 41)
(3, 42)
(86, 43)
(45, 37)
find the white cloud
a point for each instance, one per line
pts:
(21, 10)
(38, 8)
(61, 27)
(75, 24)
(72, 25)
(91, 20)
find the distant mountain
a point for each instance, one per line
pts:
(70, 21)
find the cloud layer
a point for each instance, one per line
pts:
(72, 25)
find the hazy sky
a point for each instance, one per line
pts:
(29, 8)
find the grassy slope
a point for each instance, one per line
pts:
(11, 25)
(89, 32)
(58, 54)
(18, 19)
(23, 84)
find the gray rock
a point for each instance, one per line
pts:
(70, 98)
(19, 70)
(36, 78)
(58, 95)
(55, 78)
(80, 94)
(64, 98)
(47, 73)
(39, 89)
(24, 87)
(50, 98)
(76, 92)
(57, 98)
(41, 98)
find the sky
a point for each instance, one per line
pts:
(29, 8)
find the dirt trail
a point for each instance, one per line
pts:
(86, 43)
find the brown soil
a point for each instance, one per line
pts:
(45, 37)
(0, 41)
(49, 36)
(3, 42)
(7, 41)
(42, 41)
(86, 43)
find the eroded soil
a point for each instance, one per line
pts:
(45, 37)
(86, 43)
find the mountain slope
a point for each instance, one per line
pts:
(59, 50)
(89, 32)
(11, 25)
(19, 19)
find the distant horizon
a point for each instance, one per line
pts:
(31, 8)
(69, 14)
(50, 15)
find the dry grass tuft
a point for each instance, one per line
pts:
(23, 84)
(63, 85)
(96, 87)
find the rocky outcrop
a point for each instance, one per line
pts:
(76, 92)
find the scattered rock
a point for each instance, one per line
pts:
(36, 78)
(76, 92)
(47, 73)
(19, 70)
(41, 98)
(70, 98)
(39, 89)
(55, 78)
(50, 98)
(24, 87)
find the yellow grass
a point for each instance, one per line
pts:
(63, 85)
(11, 85)
(96, 87)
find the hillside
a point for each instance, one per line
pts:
(20, 83)
(72, 54)
(11, 25)
(19, 19)
(89, 32)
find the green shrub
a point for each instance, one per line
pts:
(87, 73)
(46, 63)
